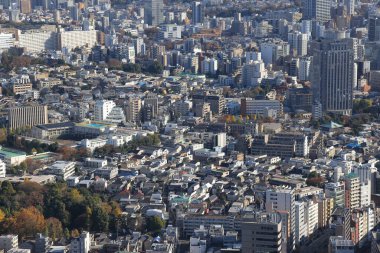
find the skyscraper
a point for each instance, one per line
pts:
(332, 75)
(298, 43)
(318, 10)
(374, 28)
(197, 12)
(153, 12)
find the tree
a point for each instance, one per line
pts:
(2, 215)
(155, 224)
(114, 64)
(29, 221)
(100, 216)
(7, 188)
(54, 228)
(3, 135)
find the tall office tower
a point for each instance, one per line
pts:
(151, 100)
(374, 28)
(139, 46)
(105, 23)
(57, 16)
(14, 15)
(25, 6)
(304, 68)
(153, 12)
(134, 109)
(75, 12)
(350, 5)
(332, 75)
(27, 116)
(283, 199)
(197, 9)
(352, 191)
(318, 10)
(262, 232)
(306, 27)
(298, 43)
(252, 73)
(102, 109)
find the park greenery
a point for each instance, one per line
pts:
(55, 210)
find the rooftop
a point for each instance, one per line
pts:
(7, 152)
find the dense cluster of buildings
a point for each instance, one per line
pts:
(258, 145)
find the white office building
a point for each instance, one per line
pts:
(253, 73)
(298, 43)
(62, 169)
(304, 68)
(37, 40)
(7, 40)
(73, 39)
(102, 109)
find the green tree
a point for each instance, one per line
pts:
(100, 219)
(155, 224)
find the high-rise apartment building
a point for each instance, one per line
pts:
(253, 72)
(27, 116)
(332, 75)
(197, 12)
(298, 43)
(153, 12)
(262, 233)
(134, 109)
(318, 10)
(102, 109)
(352, 191)
(283, 199)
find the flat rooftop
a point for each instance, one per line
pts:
(7, 152)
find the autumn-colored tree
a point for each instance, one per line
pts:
(54, 228)
(2, 216)
(3, 135)
(75, 196)
(33, 165)
(29, 221)
(67, 153)
(74, 233)
(114, 64)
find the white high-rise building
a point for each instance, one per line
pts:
(283, 199)
(300, 222)
(298, 43)
(102, 109)
(2, 169)
(7, 40)
(311, 215)
(304, 68)
(253, 73)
